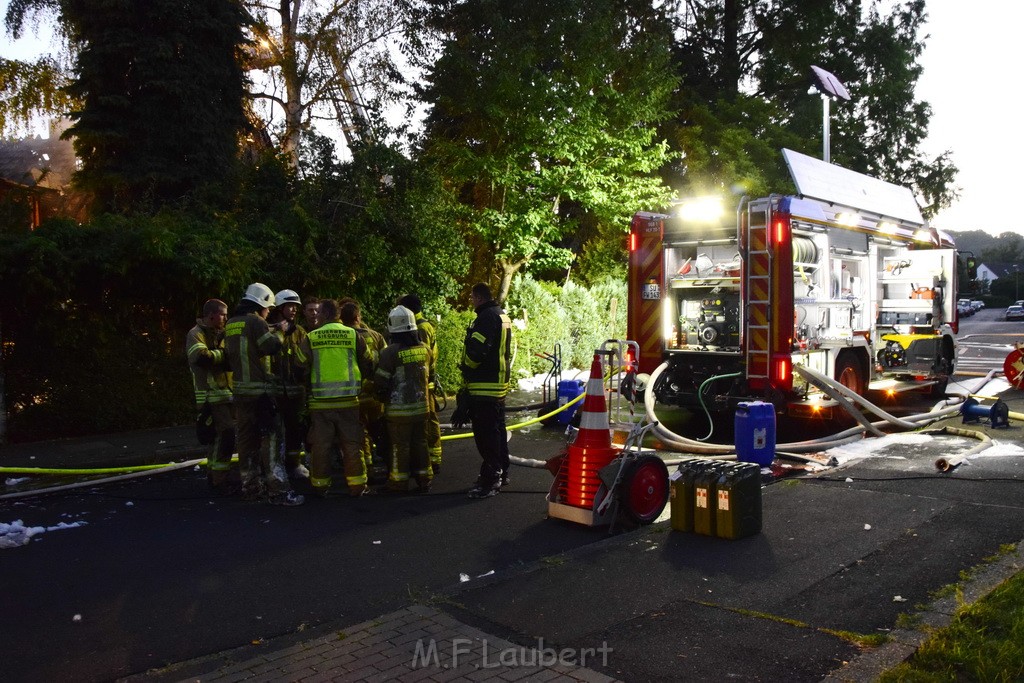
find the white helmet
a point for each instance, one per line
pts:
(287, 296)
(260, 294)
(401, 319)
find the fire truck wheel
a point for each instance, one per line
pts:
(849, 373)
(645, 489)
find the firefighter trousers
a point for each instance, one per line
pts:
(375, 434)
(339, 426)
(409, 458)
(259, 453)
(490, 435)
(218, 460)
(292, 405)
(433, 428)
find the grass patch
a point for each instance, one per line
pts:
(859, 639)
(984, 642)
(907, 621)
(864, 640)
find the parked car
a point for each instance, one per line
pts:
(977, 304)
(1015, 312)
(964, 308)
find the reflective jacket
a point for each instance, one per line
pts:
(211, 375)
(249, 344)
(428, 335)
(336, 358)
(285, 365)
(487, 358)
(375, 343)
(401, 381)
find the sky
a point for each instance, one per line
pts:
(969, 79)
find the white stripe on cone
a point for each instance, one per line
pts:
(595, 431)
(591, 420)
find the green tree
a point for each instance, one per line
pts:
(31, 88)
(384, 227)
(541, 113)
(161, 91)
(752, 59)
(321, 59)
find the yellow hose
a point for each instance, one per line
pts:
(142, 468)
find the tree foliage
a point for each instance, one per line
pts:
(541, 112)
(326, 60)
(745, 69)
(161, 90)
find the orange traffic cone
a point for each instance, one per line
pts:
(595, 432)
(592, 448)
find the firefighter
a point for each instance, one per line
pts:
(401, 382)
(291, 398)
(310, 312)
(376, 443)
(211, 378)
(336, 359)
(249, 343)
(428, 335)
(486, 366)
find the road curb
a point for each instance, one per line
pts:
(938, 614)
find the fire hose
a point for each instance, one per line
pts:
(135, 471)
(832, 388)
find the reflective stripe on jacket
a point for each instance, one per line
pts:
(249, 344)
(428, 335)
(332, 353)
(487, 358)
(401, 381)
(211, 378)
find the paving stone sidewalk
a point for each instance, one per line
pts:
(418, 643)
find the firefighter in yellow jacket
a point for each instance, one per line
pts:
(337, 359)
(291, 397)
(371, 411)
(250, 342)
(211, 379)
(401, 382)
(428, 335)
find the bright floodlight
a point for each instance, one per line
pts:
(701, 210)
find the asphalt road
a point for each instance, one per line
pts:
(161, 573)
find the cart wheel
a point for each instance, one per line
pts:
(645, 489)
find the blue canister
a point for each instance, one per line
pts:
(755, 432)
(568, 389)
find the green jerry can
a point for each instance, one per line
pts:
(737, 503)
(681, 493)
(704, 492)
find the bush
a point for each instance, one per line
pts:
(544, 315)
(451, 333)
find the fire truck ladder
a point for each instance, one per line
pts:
(758, 287)
(344, 94)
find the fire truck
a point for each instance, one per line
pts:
(845, 277)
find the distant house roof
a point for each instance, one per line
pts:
(994, 271)
(39, 170)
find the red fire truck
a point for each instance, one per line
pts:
(844, 277)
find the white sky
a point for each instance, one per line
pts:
(969, 79)
(970, 64)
